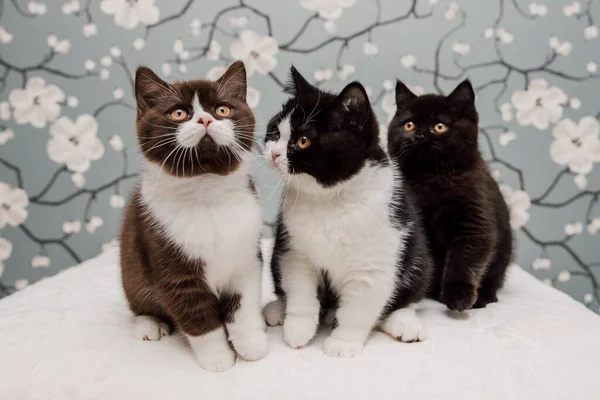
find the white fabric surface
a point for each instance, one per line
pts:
(71, 337)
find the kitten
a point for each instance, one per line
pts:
(434, 139)
(195, 204)
(348, 236)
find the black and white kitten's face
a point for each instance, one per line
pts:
(319, 139)
(430, 131)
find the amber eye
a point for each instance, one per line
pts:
(303, 142)
(409, 126)
(222, 111)
(276, 135)
(440, 128)
(178, 114)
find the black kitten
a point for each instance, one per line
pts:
(348, 236)
(434, 140)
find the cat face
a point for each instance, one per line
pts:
(429, 130)
(194, 127)
(320, 139)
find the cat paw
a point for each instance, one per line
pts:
(252, 347)
(216, 362)
(274, 313)
(298, 331)
(459, 296)
(405, 326)
(341, 348)
(150, 328)
(484, 299)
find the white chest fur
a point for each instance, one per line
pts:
(346, 229)
(212, 218)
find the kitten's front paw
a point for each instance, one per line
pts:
(253, 346)
(216, 362)
(150, 328)
(485, 299)
(342, 348)
(459, 296)
(405, 326)
(297, 331)
(274, 313)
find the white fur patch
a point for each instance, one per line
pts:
(191, 132)
(405, 326)
(274, 313)
(280, 146)
(212, 351)
(150, 328)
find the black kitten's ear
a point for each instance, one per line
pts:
(297, 84)
(463, 94)
(353, 98)
(233, 82)
(403, 94)
(149, 89)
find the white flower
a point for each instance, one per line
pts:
(118, 93)
(573, 228)
(327, 9)
(13, 205)
(572, 9)
(37, 103)
(388, 85)
(70, 7)
(115, 51)
(323, 74)
(215, 72)
(21, 283)
(451, 11)
(5, 36)
(78, 180)
(129, 13)
(588, 298)
(541, 263)
(506, 110)
(345, 71)
(6, 135)
(40, 262)
(89, 30)
(138, 44)
(4, 110)
(93, 224)
(166, 69)
(580, 181)
(60, 47)
(539, 105)
(89, 65)
(563, 276)
(433, 2)
(214, 50)
(252, 97)
(461, 48)
(504, 36)
(116, 142)
(388, 105)
(72, 101)
(594, 226)
(575, 103)
(507, 137)
(330, 27)
(576, 145)
(370, 49)
(177, 46)
(107, 246)
(69, 227)
(590, 32)
(117, 201)
(592, 67)
(488, 32)
(36, 8)
(75, 144)
(106, 61)
(104, 74)
(182, 68)
(518, 203)
(257, 52)
(538, 9)
(6, 247)
(561, 48)
(408, 60)
(496, 174)
(239, 22)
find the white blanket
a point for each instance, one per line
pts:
(71, 337)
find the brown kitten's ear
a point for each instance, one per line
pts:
(463, 94)
(297, 84)
(403, 94)
(233, 82)
(149, 88)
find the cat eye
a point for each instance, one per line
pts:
(276, 135)
(179, 114)
(303, 142)
(222, 111)
(440, 127)
(409, 126)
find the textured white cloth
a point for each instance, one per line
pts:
(71, 337)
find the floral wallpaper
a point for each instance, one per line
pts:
(68, 157)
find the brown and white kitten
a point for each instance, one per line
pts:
(189, 242)
(434, 140)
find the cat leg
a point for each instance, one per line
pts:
(148, 327)
(274, 312)
(494, 275)
(404, 325)
(362, 301)
(300, 281)
(243, 317)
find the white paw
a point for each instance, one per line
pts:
(150, 328)
(216, 362)
(342, 348)
(405, 326)
(297, 331)
(252, 347)
(274, 313)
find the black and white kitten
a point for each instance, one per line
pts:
(348, 235)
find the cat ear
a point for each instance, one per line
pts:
(233, 81)
(463, 94)
(297, 84)
(352, 99)
(149, 88)
(403, 94)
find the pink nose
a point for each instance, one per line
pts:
(274, 155)
(205, 121)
